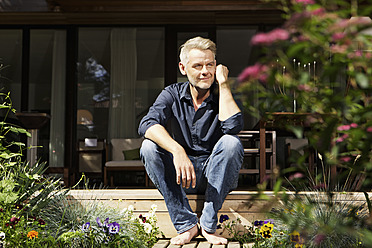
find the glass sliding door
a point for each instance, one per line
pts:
(47, 90)
(234, 51)
(120, 73)
(11, 65)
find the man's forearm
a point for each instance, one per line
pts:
(161, 137)
(227, 104)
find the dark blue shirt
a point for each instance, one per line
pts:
(196, 131)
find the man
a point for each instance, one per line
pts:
(191, 140)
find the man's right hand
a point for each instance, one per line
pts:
(182, 164)
(184, 169)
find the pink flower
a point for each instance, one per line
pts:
(345, 159)
(305, 2)
(318, 11)
(338, 48)
(304, 87)
(369, 129)
(278, 34)
(295, 176)
(343, 128)
(257, 71)
(353, 125)
(338, 36)
(275, 35)
(319, 238)
(342, 138)
(260, 38)
(356, 54)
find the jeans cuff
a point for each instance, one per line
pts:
(208, 230)
(188, 227)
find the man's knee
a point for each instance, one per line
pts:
(148, 148)
(231, 144)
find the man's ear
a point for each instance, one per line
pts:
(182, 68)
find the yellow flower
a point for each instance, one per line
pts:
(32, 234)
(266, 230)
(297, 239)
(267, 227)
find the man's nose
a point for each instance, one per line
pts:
(205, 69)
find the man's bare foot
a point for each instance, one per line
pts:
(185, 237)
(213, 238)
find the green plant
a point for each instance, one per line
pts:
(318, 64)
(94, 224)
(24, 191)
(263, 233)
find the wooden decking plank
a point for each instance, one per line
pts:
(162, 243)
(250, 245)
(174, 246)
(192, 244)
(218, 246)
(233, 245)
(204, 244)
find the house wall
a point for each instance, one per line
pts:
(230, 23)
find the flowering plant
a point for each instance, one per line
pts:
(35, 211)
(261, 233)
(318, 65)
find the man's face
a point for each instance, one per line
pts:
(200, 69)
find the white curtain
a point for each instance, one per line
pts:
(57, 121)
(122, 83)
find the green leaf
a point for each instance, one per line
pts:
(8, 198)
(362, 80)
(297, 130)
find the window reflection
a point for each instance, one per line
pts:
(121, 71)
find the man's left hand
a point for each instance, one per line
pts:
(222, 73)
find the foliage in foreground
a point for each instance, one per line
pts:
(318, 64)
(36, 211)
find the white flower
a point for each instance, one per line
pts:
(320, 156)
(130, 208)
(147, 227)
(2, 236)
(154, 207)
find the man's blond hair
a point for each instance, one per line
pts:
(196, 43)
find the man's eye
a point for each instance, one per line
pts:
(198, 67)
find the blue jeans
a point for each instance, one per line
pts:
(216, 175)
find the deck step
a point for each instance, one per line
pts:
(199, 243)
(238, 204)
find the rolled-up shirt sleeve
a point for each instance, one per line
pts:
(159, 112)
(233, 125)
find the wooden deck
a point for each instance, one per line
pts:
(199, 243)
(238, 204)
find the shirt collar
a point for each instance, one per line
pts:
(186, 94)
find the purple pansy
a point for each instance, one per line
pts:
(113, 228)
(223, 217)
(85, 227)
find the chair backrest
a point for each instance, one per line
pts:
(119, 145)
(297, 144)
